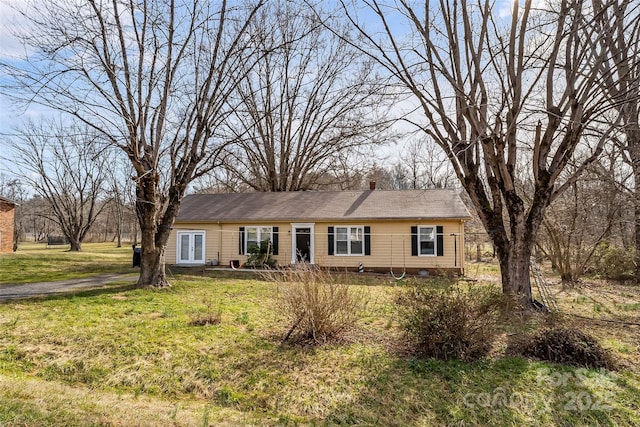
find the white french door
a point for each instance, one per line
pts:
(190, 247)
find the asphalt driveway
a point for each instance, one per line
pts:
(29, 290)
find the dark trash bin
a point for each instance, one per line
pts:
(137, 256)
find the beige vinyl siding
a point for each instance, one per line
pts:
(211, 240)
(222, 241)
(231, 242)
(390, 244)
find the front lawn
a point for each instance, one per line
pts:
(35, 262)
(132, 357)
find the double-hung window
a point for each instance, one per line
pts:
(427, 240)
(255, 235)
(349, 240)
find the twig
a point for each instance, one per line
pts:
(295, 325)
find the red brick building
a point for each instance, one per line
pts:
(7, 211)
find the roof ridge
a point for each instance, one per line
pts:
(327, 192)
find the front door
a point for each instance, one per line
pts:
(191, 247)
(302, 243)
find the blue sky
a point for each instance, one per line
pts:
(10, 115)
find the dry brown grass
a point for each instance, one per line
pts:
(320, 306)
(607, 310)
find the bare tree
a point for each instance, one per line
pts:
(153, 77)
(65, 166)
(491, 90)
(120, 188)
(35, 213)
(385, 178)
(428, 166)
(310, 100)
(619, 23)
(579, 220)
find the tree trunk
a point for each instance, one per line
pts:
(119, 227)
(514, 240)
(636, 195)
(515, 259)
(152, 271)
(75, 245)
(135, 231)
(633, 149)
(17, 229)
(154, 232)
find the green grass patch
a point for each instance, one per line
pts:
(629, 307)
(37, 263)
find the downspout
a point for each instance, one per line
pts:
(219, 242)
(462, 247)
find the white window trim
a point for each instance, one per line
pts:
(204, 247)
(335, 239)
(311, 226)
(435, 240)
(246, 236)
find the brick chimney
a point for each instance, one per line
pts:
(372, 185)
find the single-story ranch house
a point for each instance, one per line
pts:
(7, 212)
(405, 230)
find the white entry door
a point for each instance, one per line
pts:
(190, 247)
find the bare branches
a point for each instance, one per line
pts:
(309, 98)
(154, 78)
(618, 25)
(69, 172)
(492, 91)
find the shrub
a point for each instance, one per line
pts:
(319, 305)
(260, 256)
(210, 315)
(566, 345)
(614, 263)
(447, 322)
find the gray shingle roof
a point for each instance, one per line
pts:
(305, 206)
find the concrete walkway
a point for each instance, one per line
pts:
(30, 290)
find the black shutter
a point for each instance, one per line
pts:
(439, 240)
(241, 241)
(274, 244)
(330, 239)
(414, 240)
(367, 240)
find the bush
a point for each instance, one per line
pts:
(260, 256)
(447, 322)
(614, 263)
(319, 306)
(566, 345)
(210, 315)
